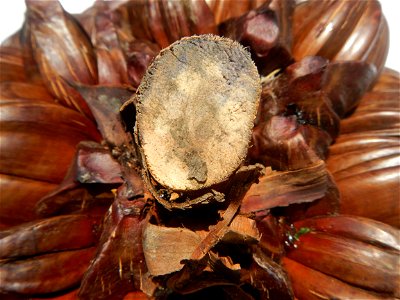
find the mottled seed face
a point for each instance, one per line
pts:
(196, 107)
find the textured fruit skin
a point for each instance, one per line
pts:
(166, 21)
(60, 63)
(328, 248)
(73, 203)
(320, 285)
(266, 31)
(52, 272)
(49, 235)
(47, 133)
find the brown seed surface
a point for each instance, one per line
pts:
(195, 112)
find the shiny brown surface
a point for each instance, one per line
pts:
(365, 160)
(341, 30)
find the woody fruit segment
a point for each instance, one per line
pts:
(195, 112)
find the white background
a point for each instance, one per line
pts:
(12, 15)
